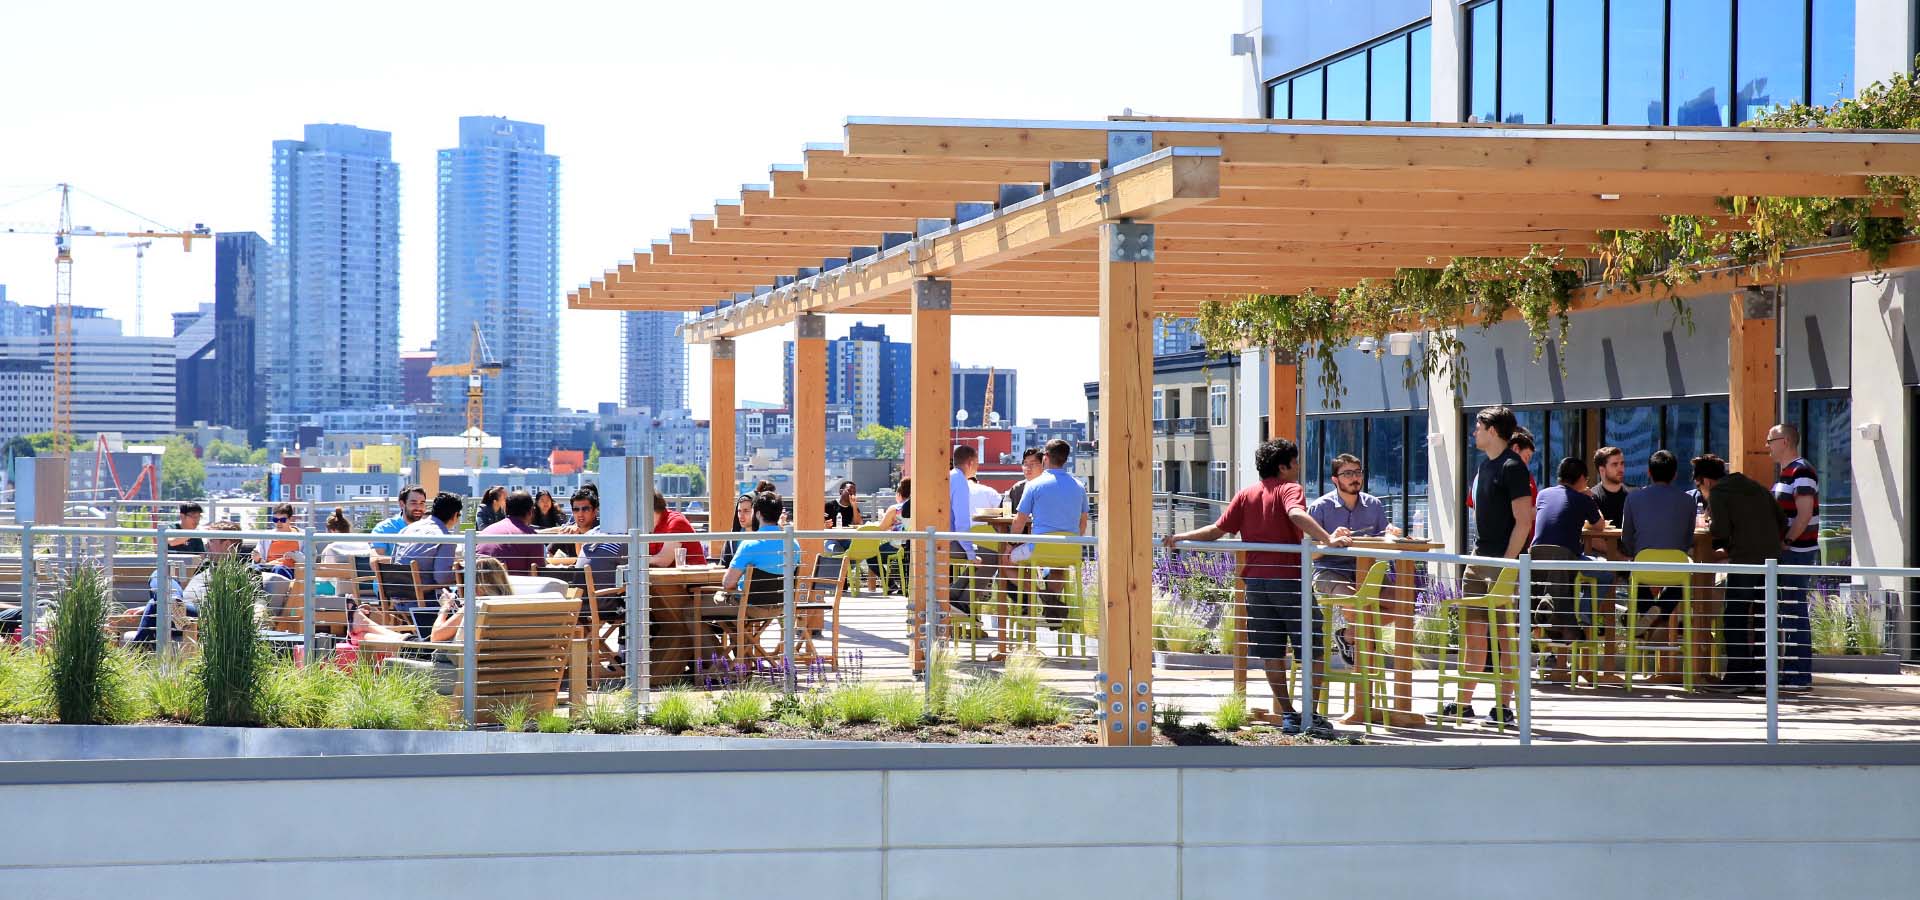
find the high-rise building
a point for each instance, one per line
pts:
(415, 386)
(653, 361)
(330, 338)
(195, 364)
(970, 394)
(243, 279)
(499, 254)
(1175, 336)
(121, 384)
(27, 385)
(868, 373)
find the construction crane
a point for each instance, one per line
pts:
(987, 417)
(63, 234)
(139, 283)
(480, 363)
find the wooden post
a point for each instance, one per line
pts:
(1283, 396)
(721, 475)
(809, 425)
(1752, 384)
(1125, 533)
(932, 445)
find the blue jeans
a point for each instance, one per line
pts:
(1796, 633)
(150, 622)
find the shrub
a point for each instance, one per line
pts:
(742, 708)
(939, 680)
(299, 696)
(1030, 703)
(902, 709)
(1169, 715)
(390, 698)
(817, 712)
(1179, 628)
(553, 721)
(173, 691)
(856, 703)
(232, 659)
(513, 717)
(1232, 714)
(79, 670)
(610, 713)
(974, 708)
(676, 711)
(25, 681)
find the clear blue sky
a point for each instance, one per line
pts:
(655, 110)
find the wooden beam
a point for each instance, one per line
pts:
(722, 476)
(931, 440)
(825, 166)
(794, 184)
(1283, 400)
(809, 425)
(1626, 184)
(1125, 483)
(1752, 386)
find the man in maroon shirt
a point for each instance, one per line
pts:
(1274, 512)
(520, 558)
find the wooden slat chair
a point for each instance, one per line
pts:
(598, 631)
(820, 591)
(395, 584)
(742, 621)
(325, 620)
(522, 646)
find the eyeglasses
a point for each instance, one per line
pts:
(1350, 473)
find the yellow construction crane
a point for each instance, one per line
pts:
(480, 363)
(63, 235)
(987, 419)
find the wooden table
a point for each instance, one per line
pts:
(674, 616)
(1001, 522)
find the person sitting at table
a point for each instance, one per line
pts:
(1346, 510)
(1054, 503)
(667, 521)
(743, 521)
(843, 511)
(1033, 463)
(519, 558)
(339, 553)
(765, 486)
(1657, 517)
(145, 620)
(489, 580)
(1610, 467)
(279, 556)
(895, 519)
(762, 562)
(413, 508)
(493, 506)
(189, 521)
(546, 513)
(1563, 515)
(434, 560)
(602, 558)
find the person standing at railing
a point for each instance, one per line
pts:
(1797, 491)
(189, 521)
(1054, 503)
(413, 506)
(1274, 512)
(519, 558)
(1746, 524)
(1503, 520)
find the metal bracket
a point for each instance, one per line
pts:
(933, 293)
(1286, 357)
(722, 348)
(1130, 242)
(1758, 302)
(1125, 146)
(810, 326)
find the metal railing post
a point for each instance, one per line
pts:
(639, 611)
(469, 630)
(1307, 611)
(309, 584)
(29, 585)
(1772, 627)
(162, 593)
(930, 603)
(787, 634)
(109, 545)
(637, 571)
(1523, 597)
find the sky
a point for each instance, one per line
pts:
(169, 111)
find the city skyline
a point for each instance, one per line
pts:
(630, 174)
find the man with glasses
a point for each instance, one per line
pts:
(413, 505)
(435, 559)
(1346, 511)
(1797, 491)
(602, 557)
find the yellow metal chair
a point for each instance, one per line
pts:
(1080, 618)
(866, 549)
(1638, 652)
(1362, 611)
(1502, 615)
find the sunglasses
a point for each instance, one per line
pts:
(279, 519)
(583, 508)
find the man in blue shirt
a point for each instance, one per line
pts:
(1345, 510)
(413, 505)
(762, 563)
(435, 560)
(1054, 503)
(1658, 517)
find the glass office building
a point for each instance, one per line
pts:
(653, 361)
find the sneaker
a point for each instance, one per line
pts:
(1502, 716)
(1290, 723)
(1322, 729)
(1345, 646)
(1456, 711)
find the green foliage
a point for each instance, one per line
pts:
(1170, 716)
(817, 712)
(39, 444)
(1232, 713)
(974, 708)
(608, 713)
(888, 443)
(593, 458)
(219, 451)
(514, 717)
(902, 709)
(232, 658)
(697, 474)
(81, 676)
(553, 721)
(174, 691)
(293, 695)
(182, 475)
(857, 703)
(26, 679)
(677, 710)
(743, 708)
(1023, 699)
(1177, 628)
(391, 697)
(940, 679)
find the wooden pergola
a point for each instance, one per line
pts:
(1131, 218)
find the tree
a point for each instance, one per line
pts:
(888, 443)
(182, 476)
(692, 471)
(258, 457)
(593, 457)
(219, 451)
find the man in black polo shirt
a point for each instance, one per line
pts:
(1503, 518)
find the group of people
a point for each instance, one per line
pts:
(1048, 500)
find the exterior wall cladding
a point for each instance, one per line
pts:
(499, 256)
(331, 339)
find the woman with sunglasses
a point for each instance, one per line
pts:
(279, 556)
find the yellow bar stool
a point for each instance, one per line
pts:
(1638, 652)
(1079, 621)
(1498, 603)
(1362, 611)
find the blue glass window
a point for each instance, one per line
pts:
(1387, 85)
(1701, 62)
(1307, 96)
(1717, 440)
(1347, 89)
(1771, 67)
(1386, 448)
(1686, 436)
(1422, 74)
(1635, 62)
(1278, 99)
(1578, 70)
(1535, 422)
(1523, 61)
(1636, 431)
(1483, 77)
(1832, 66)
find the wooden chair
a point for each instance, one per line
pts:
(742, 642)
(600, 630)
(817, 595)
(330, 621)
(522, 645)
(395, 584)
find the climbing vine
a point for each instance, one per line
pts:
(1751, 235)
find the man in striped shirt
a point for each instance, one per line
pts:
(1797, 491)
(604, 556)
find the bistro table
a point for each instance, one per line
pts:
(673, 598)
(1704, 610)
(1397, 600)
(1000, 520)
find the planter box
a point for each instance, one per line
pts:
(1855, 664)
